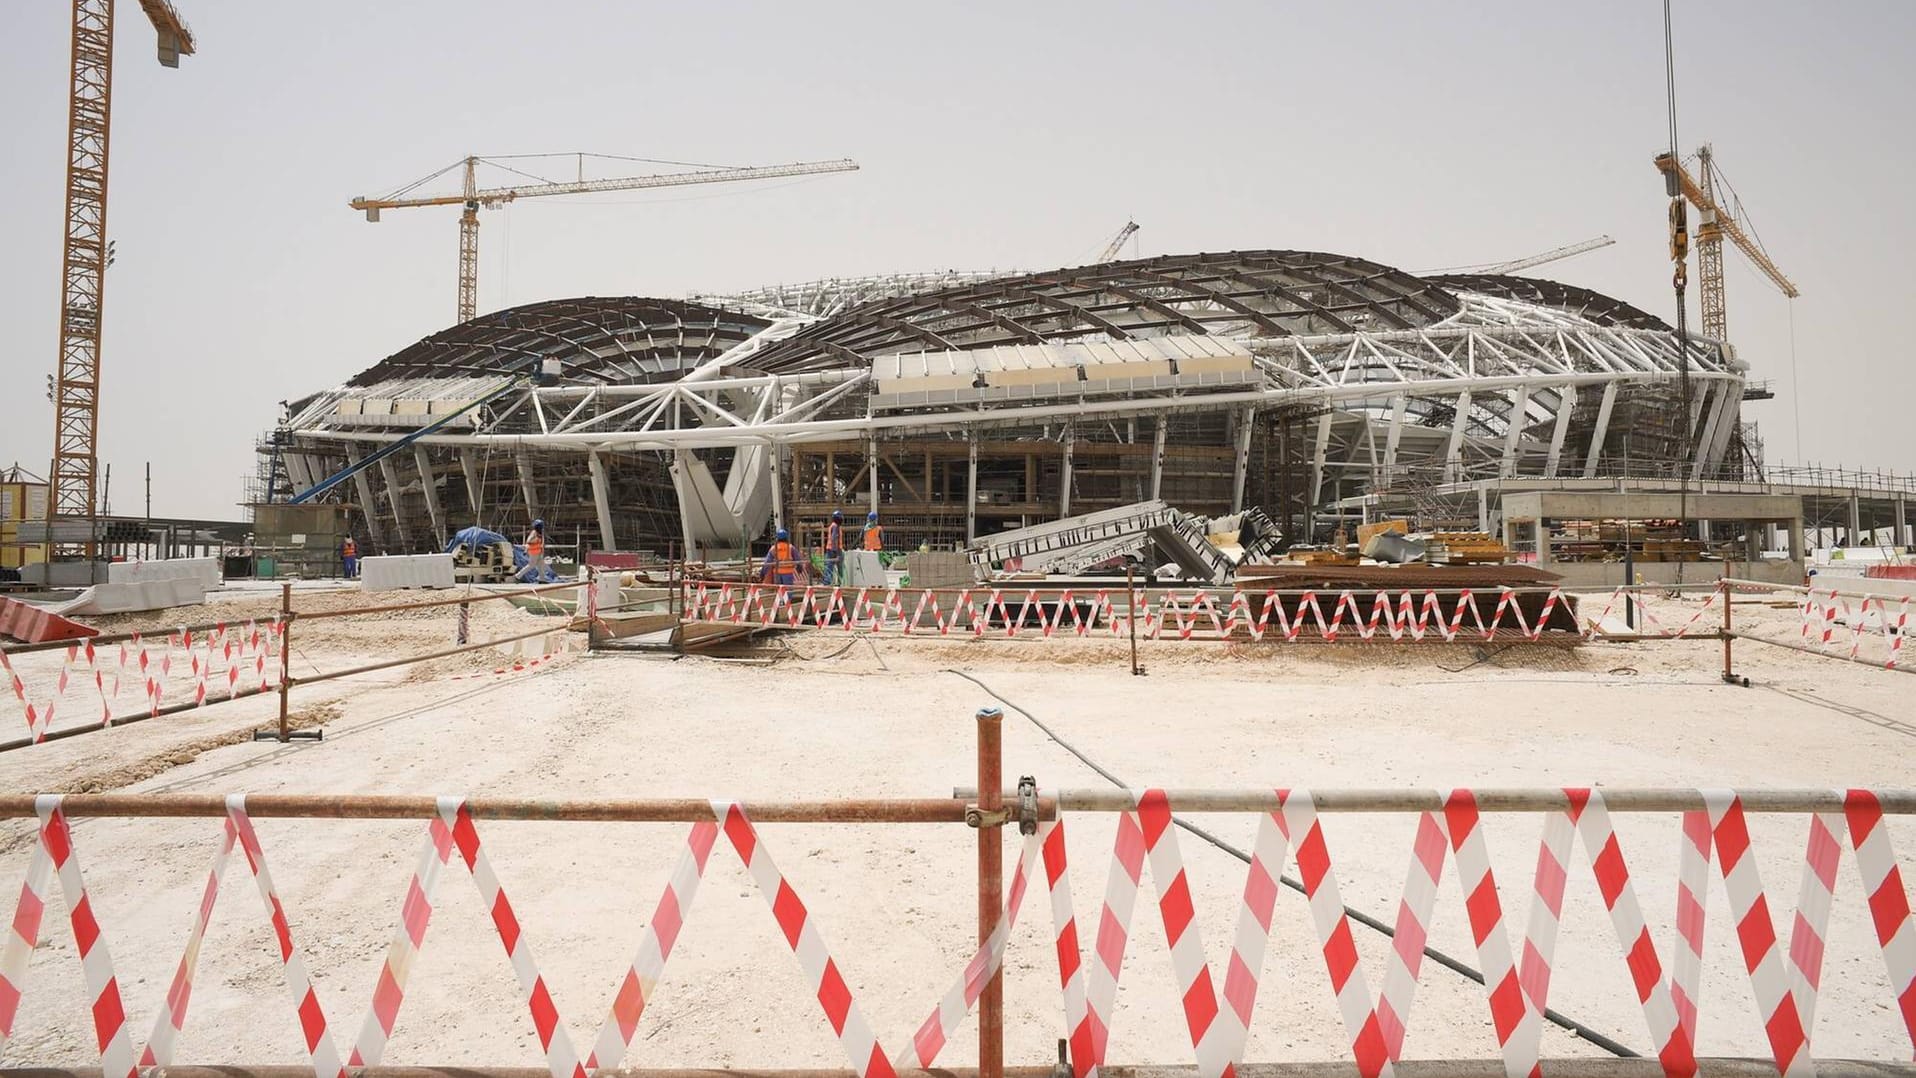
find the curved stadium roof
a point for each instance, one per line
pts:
(1241, 293)
(612, 339)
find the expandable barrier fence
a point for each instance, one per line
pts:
(1217, 999)
(1831, 619)
(195, 666)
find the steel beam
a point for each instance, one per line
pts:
(602, 500)
(971, 487)
(1064, 476)
(1157, 456)
(430, 489)
(1566, 404)
(1398, 404)
(391, 477)
(1513, 430)
(469, 464)
(776, 463)
(1454, 450)
(1245, 422)
(1598, 433)
(362, 484)
(523, 461)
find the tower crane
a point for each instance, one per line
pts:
(84, 258)
(1557, 254)
(1716, 224)
(471, 196)
(1117, 243)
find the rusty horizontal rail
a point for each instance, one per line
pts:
(138, 716)
(1899, 801)
(1593, 1067)
(1874, 664)
(404, 660)
(1799, 589)
(574, 810)
(464, 597)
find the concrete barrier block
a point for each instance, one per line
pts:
(204, 570)
(396, 571)
(38, 624)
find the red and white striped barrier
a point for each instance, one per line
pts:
(1199, 614)
(1827, 615)
(1784, 982)
(453, 830)
(243, 657)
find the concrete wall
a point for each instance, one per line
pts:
(1609, 574)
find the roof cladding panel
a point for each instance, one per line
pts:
(616, 340)
(1595, 306)
(1242, 293)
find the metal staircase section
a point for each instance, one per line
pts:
(1039, 545)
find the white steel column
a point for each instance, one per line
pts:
(1709, 410)
(1064, 477)
(469, 464)
(1599, 432)
(1483, 509)
(1566, 403)
(1244, 426)
(772, 453)
(1902, 522)
(1157, 456)
(601, 499)
(1318, 456)
(1396, 432)
(363, 484)
(524, 463)
(871, 469)
(392, 500)
(1855, 518)
(430, 488)
(1454, 452)
(971, 486)
(1513, 434)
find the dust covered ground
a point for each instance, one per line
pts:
(823, 715)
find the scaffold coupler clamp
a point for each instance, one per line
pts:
(1027, 805)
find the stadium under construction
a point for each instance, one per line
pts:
(1321, 389)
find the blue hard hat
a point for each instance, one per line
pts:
(873, 515)
(838, 514)
(538, 525)
(783, 534)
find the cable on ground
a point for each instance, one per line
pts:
(1571, 1025)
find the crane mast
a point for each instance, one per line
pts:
(471, 197)
(83, 262)
(1716, 224)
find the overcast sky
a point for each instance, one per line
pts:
(991, 135)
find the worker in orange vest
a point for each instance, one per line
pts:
(781, 562)
(536, 551)
(834, 547)
(874, 534)
(349, 557)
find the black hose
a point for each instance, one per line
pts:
(1573, 1026)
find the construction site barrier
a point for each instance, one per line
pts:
(1217, 1000)
(194, 666)
(1198, 614)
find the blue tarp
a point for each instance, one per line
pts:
(476, 537)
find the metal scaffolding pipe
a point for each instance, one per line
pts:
(574, 810)
(1897, 801)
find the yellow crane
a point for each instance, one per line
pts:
(472, 196)
(1112, 249)
(1715, 224)
(84, 258)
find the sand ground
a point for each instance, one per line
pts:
(886, 719)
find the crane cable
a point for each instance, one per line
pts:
(1455, 965)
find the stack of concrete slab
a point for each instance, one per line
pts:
(204, 570)
(396, 571)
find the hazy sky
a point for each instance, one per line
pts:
(991, 135)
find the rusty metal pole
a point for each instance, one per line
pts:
(285, 659)
(1729, 633)
(1131, 615)
(991, 879)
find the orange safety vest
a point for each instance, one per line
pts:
(874, 537)
(349, 550)
(783, 558)
(536, 544)
(834, 538)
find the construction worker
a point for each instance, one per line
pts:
(349, 557)
(874, 535)
(536, 551)
(781, 562)
(834, 547)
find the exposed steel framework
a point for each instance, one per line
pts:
(84, 257)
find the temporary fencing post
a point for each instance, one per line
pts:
(591, 609)
(285, 658)
(463, 634)
(1723, 592)
(991, 873)
(1131, 616)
